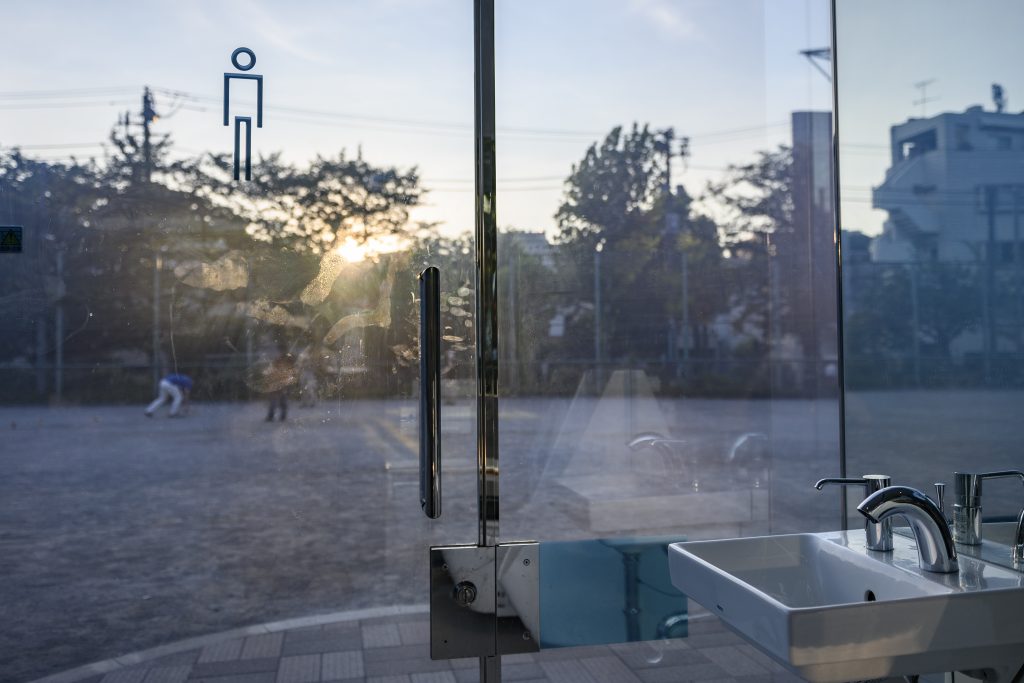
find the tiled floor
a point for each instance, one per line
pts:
(395, 650)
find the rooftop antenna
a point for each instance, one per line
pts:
(923, 100)
(999, 97)
(818, 56)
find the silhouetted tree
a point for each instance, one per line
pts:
(316, 207)
(618, 196)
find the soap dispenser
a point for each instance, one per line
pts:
(967, 505)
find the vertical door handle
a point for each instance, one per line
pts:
(430, 392)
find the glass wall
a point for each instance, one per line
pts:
(208, 382)
(932, 192)
(667, 294)
(281, 312)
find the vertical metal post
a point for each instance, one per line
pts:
(58, 331)
(1019, 281)
(158, 264)
(248, 329)
(685, 332)
(631, 573)
(915, 321)
(598, 351)
(512, 374)
(486, 292)
(41, 355)
(991, 197)
(838, 239)
(486, 276)
(774, 315)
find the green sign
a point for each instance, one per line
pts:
(10, 239)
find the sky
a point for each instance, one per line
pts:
(884, 48)
(394, 79)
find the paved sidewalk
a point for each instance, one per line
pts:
(361, 646)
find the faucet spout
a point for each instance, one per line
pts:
(936, 550)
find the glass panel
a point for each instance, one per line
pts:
(290, 295)
(933, 264)
(667, 297)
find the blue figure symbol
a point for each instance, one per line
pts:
(247, 120)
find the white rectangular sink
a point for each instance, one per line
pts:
(831, 610)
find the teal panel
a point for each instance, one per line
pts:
(602, 591)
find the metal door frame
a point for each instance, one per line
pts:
(486, 225)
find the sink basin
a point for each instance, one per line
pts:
(831, 610)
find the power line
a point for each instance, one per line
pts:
(427, 123)
(67, 92)
(371, 122)
(66, 145)
(64, 105)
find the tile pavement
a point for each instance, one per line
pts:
(394, 649)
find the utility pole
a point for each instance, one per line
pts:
(665, 145)
(149, 115)
(673, 226)
(671, 231)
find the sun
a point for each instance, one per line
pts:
(354, 251)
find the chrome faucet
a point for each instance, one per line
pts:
(935, 547)
(967, 506)
(879, 534)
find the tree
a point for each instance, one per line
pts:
(618, 197)
(219, 263)
(610, 191)
(315, 208)
(308, 229)
(881, 314)
(52, 202)
(754, 207)
(756, 198)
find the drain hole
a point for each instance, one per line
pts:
(869, 596)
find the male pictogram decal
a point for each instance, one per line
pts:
(247, 120)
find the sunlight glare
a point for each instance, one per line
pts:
(354, 251)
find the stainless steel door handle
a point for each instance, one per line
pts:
(430, 392)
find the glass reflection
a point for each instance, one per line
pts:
(933, 266)
(286, 487)
(667, 286)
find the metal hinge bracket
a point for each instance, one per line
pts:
(484, 600)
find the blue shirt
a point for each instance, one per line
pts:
(181, 381)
